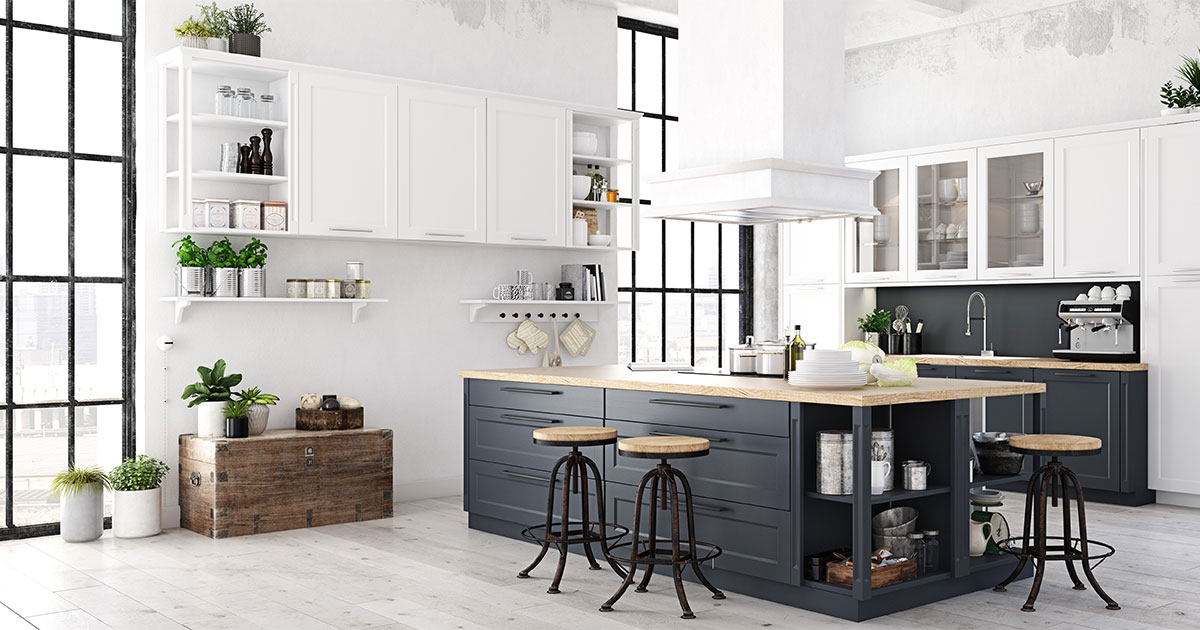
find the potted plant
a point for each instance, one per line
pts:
(237, 418)
(217, 22)
(252, 277)
(246, 26)
(210, 394)
(192, 33)
(224, 262)
(81, 499)
(874, 324)
(192, 269)
(137, 496)
(1177, 99)
(259, 410)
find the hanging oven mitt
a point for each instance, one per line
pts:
(516, 343)
(577, 337)
(533, 336)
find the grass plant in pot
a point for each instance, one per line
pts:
(224, 262)
(251, 260)
(192, 269)
(81, 499)
(246, 26)
(209, 395)
(259, 409)
(237, 419)
(137, 496)
(216, 21)
(192, 33)
(874, 324)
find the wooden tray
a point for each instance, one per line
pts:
(317, 420)
(838, 573)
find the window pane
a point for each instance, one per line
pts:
(672, 72)
(708, 348)
(97, 96)
(624, 68)
(649, 256)
(649, 327)
(98, 210)
(101, 16)
(648, 73)
(40, 90)
(679, 254)
(39, 341)
(730, 254)
(98, 440)
(624, 269)
(730, 323)
(679, 327)
(52, 12)
(650, 146)
(39, 452)
(624, 328)
(671, 148)
(97, 341)
(707, 272)
(39, 216)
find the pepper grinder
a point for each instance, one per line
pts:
(256, 163)
(268, 160)
(244, 160)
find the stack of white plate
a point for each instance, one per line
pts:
(827, 369)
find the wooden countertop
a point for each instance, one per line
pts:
(1023, 362)
(621, 377)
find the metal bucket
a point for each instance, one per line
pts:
(193, 281)
(253, 282)
(835, 462)
(225, 282)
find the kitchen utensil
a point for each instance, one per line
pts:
(882, 451)
(898, 521)
(1033, 188)
(599, 240)
(741, 358)
(961, 184)
(577, 337)
(524, 276)
(880, 471)
(581, 185)
(584, 142)
(914, 474)
(1108, 293)
(882, 229)
(986, 496)
(770, 358)
(995, 456)
(1124, 292)
(947, 190)
(556, 360)
(506, 292)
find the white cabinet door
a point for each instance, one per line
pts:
(942, 231)
(1016, 226)
(1172, 207)
(1168, 311)
(527, 172)
(346, 138)
(818, 311)
(811, 252)
(443, 165)
(877, 249)
(1097, 205)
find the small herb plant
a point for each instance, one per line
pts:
(244, 18)
(237, 409)
(253, 255)
(215, 19)
(214, 385)
(191, 28)
(143, 473)
(254, 396)
(876, 321)
(1178, 97)
(221, 254)
(190, 254)
(72, 481)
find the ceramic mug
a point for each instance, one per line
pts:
(879, 474)
(506, 292)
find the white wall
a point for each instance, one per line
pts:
(402, 359)
(1076, 63)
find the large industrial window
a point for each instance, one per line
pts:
(686, 293)
(67, 259)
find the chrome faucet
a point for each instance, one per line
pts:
(987, 352)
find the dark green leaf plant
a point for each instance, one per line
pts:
(221, 254)
(253, 255)
(143, 473)
(237, 409)
(189, 253)
(214, 385)
(876, 321)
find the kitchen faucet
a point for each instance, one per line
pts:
(986, 351)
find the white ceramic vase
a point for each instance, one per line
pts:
(193, 41)
(259, 414)
(137, 513)
(210, 419)
(218, 43)
(83, 515)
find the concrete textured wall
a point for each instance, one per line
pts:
(1077, 63)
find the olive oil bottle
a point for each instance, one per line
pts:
(795, 350)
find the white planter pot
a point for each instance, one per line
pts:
(83, 515)
(137, 513)
(193, 41)
(259, 414)
(218, 43)
(210, 419)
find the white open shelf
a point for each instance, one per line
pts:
(598, 160)
(233, 178)
(183, 302)
(221, 120)
(516, 311)
(230, 232)
(599, 205)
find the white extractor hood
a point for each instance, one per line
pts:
(761, 117)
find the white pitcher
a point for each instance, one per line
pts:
(980, 534)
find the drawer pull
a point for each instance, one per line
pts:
(448, 234)
(686, 403)
(522, 390)
(351, 228)
(708, 508)
(526, 477)
(714, 440)
(1076, 374)
(509, 416)
(991, 371)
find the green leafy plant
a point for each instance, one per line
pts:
(215, 19)
(214, 385)
(143, 473)
(190, 254)
(1178, 97)
(222, 254)
(254, 396)
(244, 18)
(237, 409)
(253, 255)
(876, 321)
(1189, 71)
(72, 481)
(191, 28)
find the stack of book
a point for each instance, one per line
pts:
(587, 280)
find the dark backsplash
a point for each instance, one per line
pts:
(1022, 318)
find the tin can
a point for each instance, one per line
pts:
(297, 288)
(315, 289)
(218, 212)
(881, 451)
(349, 289)
(354, 270)
(835, 462)
(247, 215)
(363, 289)
(333, 288)
(274, 216)
(199, 214)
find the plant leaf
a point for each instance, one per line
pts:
(218, 370)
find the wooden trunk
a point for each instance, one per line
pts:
(317, 420)
(285, 479)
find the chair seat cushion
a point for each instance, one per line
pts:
(574, 435)
(1055, 443)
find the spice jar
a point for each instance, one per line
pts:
(224, 101)
(245, 105)
(613, 195)
(266, 107)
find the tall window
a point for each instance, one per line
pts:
(685, 294)
(67, 259)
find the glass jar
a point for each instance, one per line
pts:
(266, 106)
(224, 101)
(245, 105)
(917, 542)
(932, 551)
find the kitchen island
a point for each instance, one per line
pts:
(755, 491)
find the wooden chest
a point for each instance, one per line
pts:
(284, 479)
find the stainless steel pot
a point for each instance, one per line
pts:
(770, 359)
(742, 358)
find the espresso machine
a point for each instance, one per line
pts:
(1099, 330)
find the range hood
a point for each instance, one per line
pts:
(761, 97)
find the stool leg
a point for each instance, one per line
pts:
(633, 555)
(691, 525)
(1025, 533)
(1039, 558)
(549, 519)
(612, 562)
(676, 563)
(565, 530)
(581, 472)
(1067, 546)
(649, 570)
(1083, 545)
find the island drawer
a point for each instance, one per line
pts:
(505, 436)
(740, 467)
(935, 371)
(518, 495)
(575, 401)
(766, 417)
(754, 540)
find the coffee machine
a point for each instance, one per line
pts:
(1100, 330)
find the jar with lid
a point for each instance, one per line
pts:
(224, 101)
(932, 550)
(266, 106)
(916, 542)
(245, 104)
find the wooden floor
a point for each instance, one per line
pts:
(424, 569)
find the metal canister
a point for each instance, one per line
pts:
(354, 270)
(881, 451)
(914, 474)
(349, 289)
(333, 288)
(314, 288)
(297, 288)
(363, 289)
(835, 461)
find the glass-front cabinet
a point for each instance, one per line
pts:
(1016, 210)
(943, 238)
(876, 250)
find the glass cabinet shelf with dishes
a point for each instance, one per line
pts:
(942, 243)
(1016, 213)
(604, 180)
(876, 249)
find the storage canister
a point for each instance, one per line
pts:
(274, 216)
(297, 288)
(349, 289)
(354, 270)
(881, 451)
(199, 214)
(247, 214)
(218, 212)
(333, 288)
(363, 289)
(835, 461)
(315, 289)
(914, 474)
(742, 358)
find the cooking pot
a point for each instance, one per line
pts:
(742, 358)
(770, 358)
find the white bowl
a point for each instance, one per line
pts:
(585, 142)
(581, 185)
(599, 240)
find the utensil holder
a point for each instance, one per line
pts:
(894, 343)
(912, 343)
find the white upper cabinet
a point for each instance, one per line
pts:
(347, 156)
(527, 172)
(1172, 207)
(1016, 211)
(876, 248)
(811, 252)
(1097, 205)
(942, 242)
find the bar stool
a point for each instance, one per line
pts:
(682, 552)
(575, 467)
(1057, 476)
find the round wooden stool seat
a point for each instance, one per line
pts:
(1055, 445)
(574, 436)
(663, 446)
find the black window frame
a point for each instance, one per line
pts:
(745, 240)
(128, 216)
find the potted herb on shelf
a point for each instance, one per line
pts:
(137, 496)
(192, 269)
(81, 500)
(259, 409)
(251, 261)
(1178, 99)
(874, 324)
(224, 262)
(246, 26)
(237, 418)
(210, 395)
(216, 20)
(192, 33)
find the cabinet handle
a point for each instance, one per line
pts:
(452, 234)
(941, 277)
(676, 434)
(1185, 280)
(522, 390)
(708, 508)
(1094, 273)
(1015, 275)
(509, 416)
(527, 237)
(527, 477)
(1186, 270)
(685, 403)
(351, 228)
(991, 371)
(1076, 374)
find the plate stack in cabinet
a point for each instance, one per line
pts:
(612, 154)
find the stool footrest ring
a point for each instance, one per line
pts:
(1068, 549)
(575, 533)
(662, 555)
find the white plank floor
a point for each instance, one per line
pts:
(424, 569)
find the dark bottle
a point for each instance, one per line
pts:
(256, 164)
(244, 159)
(565, 292)
(268, 160)
(795, 350)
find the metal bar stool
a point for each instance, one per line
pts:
(563, 534)
(1056, 476)
(682, 552)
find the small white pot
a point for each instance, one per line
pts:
(193, 41)
(218, 43)
(137, 513)
(259, 414)
(210, 419)
(83, 515)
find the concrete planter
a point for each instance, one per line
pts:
(137, 513)
(259, 414)
(218, 43)
(210, 419)
(83, 515)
